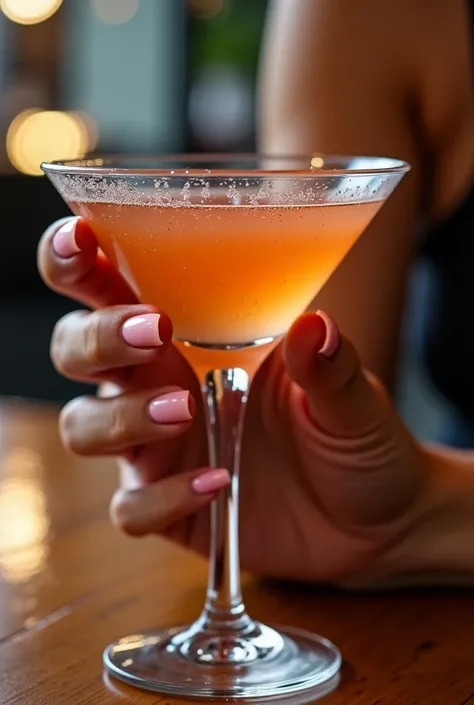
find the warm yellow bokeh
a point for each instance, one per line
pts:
(24, 520)
(29, 11)
(36, 136)
(317, 163)
(88, 127)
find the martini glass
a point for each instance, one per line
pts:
(233, 248)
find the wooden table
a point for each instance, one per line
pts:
(70, 584)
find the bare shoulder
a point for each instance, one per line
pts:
(410, 26)
(371, 76)
(323, 58)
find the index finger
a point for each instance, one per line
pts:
(70, 263)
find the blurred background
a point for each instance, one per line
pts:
(110, 75)
(134, 76)
(125, 75)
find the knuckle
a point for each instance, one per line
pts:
(121, 517)
(59, 348)
(121, 428)
(93, 348)
(68, 425)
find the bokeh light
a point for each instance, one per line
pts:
(317, 163)
(89, 128)
(24, 521)
(115, 11)
(29, 11)
(35, 136)
(205, 9)
(221, 108)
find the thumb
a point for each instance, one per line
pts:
(325, 365)
(361, 431)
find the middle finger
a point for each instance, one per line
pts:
(85, 343)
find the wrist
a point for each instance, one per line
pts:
(444, 540)
(438, 546)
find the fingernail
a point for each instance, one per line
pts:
(332, 340)
(170, 408)
(211, 481)
(143, 331)
(64, 242)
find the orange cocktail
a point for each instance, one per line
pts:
(227, 274)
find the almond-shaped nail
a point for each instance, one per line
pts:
(173, 407)
(143, 331)
(64, 241)
(332, 340)
(211, 481)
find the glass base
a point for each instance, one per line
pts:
(171, 661)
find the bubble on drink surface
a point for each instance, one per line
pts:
(258, 198)
(233, 195)
(185, 192)
(206, 194)
(218, 191)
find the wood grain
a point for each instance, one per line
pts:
(70, 584)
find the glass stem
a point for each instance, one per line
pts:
(225, 394)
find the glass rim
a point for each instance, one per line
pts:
(103, 165)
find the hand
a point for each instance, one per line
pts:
(332, 484)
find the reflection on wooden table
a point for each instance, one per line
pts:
(70, 584)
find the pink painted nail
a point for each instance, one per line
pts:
(143, 331)
(211, 481)
(170, 408)
(332, 341)
(64, 242)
